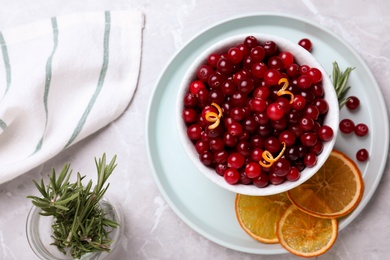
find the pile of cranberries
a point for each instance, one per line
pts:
(243, 86)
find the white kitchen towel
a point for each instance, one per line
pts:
(62, 79)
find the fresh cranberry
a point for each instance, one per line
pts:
(306, 44)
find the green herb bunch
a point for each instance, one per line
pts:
(340, 80)
(79, 222)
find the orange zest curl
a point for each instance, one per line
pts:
(268, 157)
(283, 90)
(213, 117)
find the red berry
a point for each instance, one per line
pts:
(292, 70)
(325, 133)
(207, 158)
(299, 102)
(202, 146)
(259, 69)
(257, 53)
(235, 55)
(346, 126)
(189, 115)
(246, 86)
(271, 77)
(275, 62)
(237, 114)
(204, 72)
(270, 47)
(220, 168)
(317, 148)
(312, 112)
(261, 93)
(220, 157)
(275, 179)
(315, 75)
(275, 111)
(288, 137)
(306, 44)
(309, 139)
(361, 129)
(281, 167)
(287, 58)
(195, 86)
(229, 87)
(322, 105)
(304, 70)
(261, 181)
(306, 123)
(272, 144)
(215, 80)
(236, 160)
(235, 129)
(231, 175)
(194, 132)
(256, 154)
(352, 103)
(304, 82)
(250, 42)
(216, 144)
(252, 170)
(225, 66)
(244, 179)
(310, 160)
(362, 155)
(213, 59)
(293, 174)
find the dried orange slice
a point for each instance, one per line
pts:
(306, 235)
(258, 215)
(334, 191)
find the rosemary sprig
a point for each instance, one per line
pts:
(80, 225)
(340, 80)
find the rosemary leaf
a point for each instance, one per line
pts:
(79, 225)
(71, 197)
(41, 188)
(340, 80)
(61, 207)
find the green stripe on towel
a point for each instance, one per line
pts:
(7, 65)
(99, 86)
(48, 77)
(3, 125)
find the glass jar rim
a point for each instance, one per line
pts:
(45, 251)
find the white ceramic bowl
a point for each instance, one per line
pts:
(302, 57)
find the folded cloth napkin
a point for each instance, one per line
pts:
(63, 79)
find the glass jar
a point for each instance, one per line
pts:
(39, 231)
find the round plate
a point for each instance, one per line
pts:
(209, 209)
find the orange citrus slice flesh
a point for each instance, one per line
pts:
(334, 191)
(258, 215)
(306, 235)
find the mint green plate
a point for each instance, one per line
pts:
(207, 208)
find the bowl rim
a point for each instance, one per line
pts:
(302, 57)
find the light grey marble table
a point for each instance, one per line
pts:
(152, 229)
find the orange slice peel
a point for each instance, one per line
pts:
(268, 157)
(213, 117)
(283, 90)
